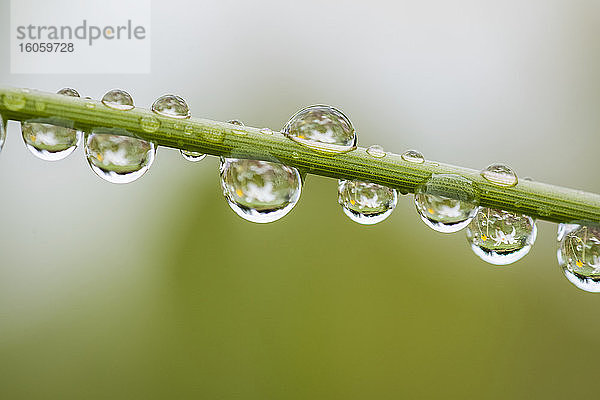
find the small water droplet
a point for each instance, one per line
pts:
(579, 255)
(446, 203)
(2, 131)
(213, 135)
(40, 106)
(69, 92)
(149, 124)
(14, 101)
(366, 203)
(295, 155)
(266, 131)
(235, 122)
(413, 156)
(376, 151)
(192, 156)
(49, 142)
(500, 174)
(90, 104)
(259, 191)
(322, 128)
(116, 158)
(118, 99)
(171, 106)
(501, 237)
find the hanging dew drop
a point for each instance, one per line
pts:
(579, 255)
(259, 191)
(446, 203)
(2, 132)
(500, 175)
(51, 142)
(173, 106)
(322, 128)
(116, 158)
(118, 99)
(366, 203)
(501, 237)
(376, 151)
(192, 156)
(413, 156)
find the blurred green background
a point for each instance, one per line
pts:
(156, 289)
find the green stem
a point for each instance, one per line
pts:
(542, 201)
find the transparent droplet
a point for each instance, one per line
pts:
(149, 123)
(500, 174)
(69, 92)
(116, 158)
(376, 151)
(501, 237)
(235, 122)
(322, 128)
(49, 142)
(14, 101)
(118, 99)
(2, 131)
(171, 106)
(579, 255)
(413, 156)
(366, 203)
(259, 191)
(192, 156)
(446, 203)
(266, 131)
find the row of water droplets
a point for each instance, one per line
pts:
(263, 191)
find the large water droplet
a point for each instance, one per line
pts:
(376, 151)
(259, 191)
(116, 158)
(446, 203)
(579, 255)
(48, 141)
(501, 237)
(171, 106)
(366, 203)
(118, 99)
(413, 156)
(322, 128)
(500, 174)
(192, 156)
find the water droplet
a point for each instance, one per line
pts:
(171, 106)
(69, 92)
(2, 131)
(413, 156)
(376, 151)
(116, 158)
(235, 122)
(500, 174)
(149, 123)
(40, 106)
(446, 203)
(266, 131)
(322, 128)
(90, 104)
(579, 255)
(366, 203)
(213, 135)
(192, 156)
(49, 142)
(14, 101)
(260, 191)
(118, 99)
(501, 237)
